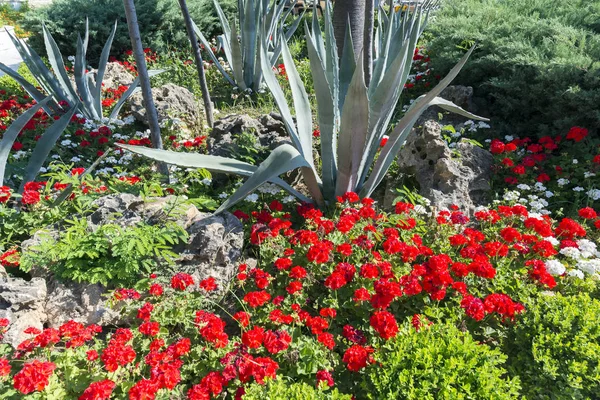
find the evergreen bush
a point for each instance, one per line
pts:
(537, 62)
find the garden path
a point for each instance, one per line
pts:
(8, 53)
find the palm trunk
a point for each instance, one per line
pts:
(208, 107)
(142, 69)
(350, 12)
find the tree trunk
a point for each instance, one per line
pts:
(142, 69)
(349, 12)
(199, 63)
(368, 39)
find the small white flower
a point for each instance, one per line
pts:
(75, 159)
(589, 266)
(578, 189)
(288, 199)
(555, 267)
(66, 142)
(523, 186)
(509, 138)
(206, 181)
(223, 195)
(594, 194)
(553, 240)
(562, 182)
(576, 273)
(252, 198)
(587, 248)
(571, 252)
(575, 161)
(549, 194)
(588, 174)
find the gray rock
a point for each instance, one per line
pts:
(116, 75)
(18, 294)
(460, 95)
(269, 131)
(22, 303)
(214, 246)
(171, 101)
(445, 177)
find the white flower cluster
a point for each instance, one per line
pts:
(585, 257)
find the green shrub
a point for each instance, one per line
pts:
(280, 390)
(439, 362)
(160, 22)
(111, 255)
(555, 349)
(536, 65)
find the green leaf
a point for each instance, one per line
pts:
(45, 145)
(283, 159)
(9, 137)
(353, 132)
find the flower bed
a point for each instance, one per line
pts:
(327, 304)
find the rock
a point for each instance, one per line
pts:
(269, 131)
(116, 75)
(171, 101)
(23, 304)
(85, 303)
(446, 178)
(214, 246)
(460, 95)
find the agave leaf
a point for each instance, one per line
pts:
(69, 189)
(97, 94)
(301, 105)
(347, 67)
(331, 58)
(318, 39)
(86, 37)
(82, 82)
(236, 58)
(223, 18)
(450, 106)
(401, 130)
(248, 27)
(49, 107)
(213, 163)
(283, 159)
(10, 135)
(294, 26)
(45, 145)
(326, 117)
(133, 88)
(39, 70)
(212, 55)
(56, 61)
(279, 98)
(353, 132)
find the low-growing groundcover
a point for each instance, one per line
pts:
(356, 302)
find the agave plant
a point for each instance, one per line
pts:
(44, 144)
(85, 95)
(260, 24)
(352, 118)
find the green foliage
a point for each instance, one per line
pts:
(280, 390)
(555, 349)
(536, 65)
(111, 255)
(11, 86)
(439, 362)
(160, 21)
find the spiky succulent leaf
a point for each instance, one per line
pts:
(212, 163)
(11, 134)
(45, 145)
(283, 159)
